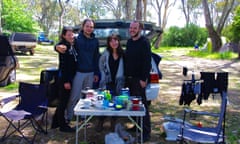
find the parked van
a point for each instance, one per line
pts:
(23, 42)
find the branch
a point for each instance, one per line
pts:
(226, 10)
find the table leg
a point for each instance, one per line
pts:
(85, 128)
(137, 119)
(76, 141)
(141, 123)
(139, 127)
(78, 128)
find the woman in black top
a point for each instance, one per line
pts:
(112, 72)
(67, 70)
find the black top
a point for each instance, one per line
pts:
(67, 62)
(113, 65)
(138, 58)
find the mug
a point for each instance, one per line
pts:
(135, 104)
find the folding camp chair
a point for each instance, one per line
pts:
(49, 78)
(32, 106)
(201, 134)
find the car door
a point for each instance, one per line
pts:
(8, 62)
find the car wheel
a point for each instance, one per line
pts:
(31, 52)
(4, 83)
(12, 77)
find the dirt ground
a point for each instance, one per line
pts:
(166, 103)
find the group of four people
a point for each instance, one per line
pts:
(80, 66)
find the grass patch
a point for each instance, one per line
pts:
(189, 51)
(10, 88)
(30, 67)
(221, 55)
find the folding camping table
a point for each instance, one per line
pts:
(89, 113)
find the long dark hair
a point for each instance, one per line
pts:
(119, 48)
(64, 31)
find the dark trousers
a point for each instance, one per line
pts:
(59, 116)
(136, 90)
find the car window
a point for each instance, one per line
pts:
(122, 32)
(104, 28)
(104, 33)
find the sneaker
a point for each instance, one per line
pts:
(67, 128)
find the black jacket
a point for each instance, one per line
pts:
(67, 63)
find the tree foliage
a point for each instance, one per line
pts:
(235, 27)
(162, 8)
(46, 13)
(184, 37)
(22, 15)
(16, 17)
(191, 10)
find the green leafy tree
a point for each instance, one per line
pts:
(16, 17)
(92, 8)
(186, 36)
(236, 28)
(46, 13)
(172, 37)
(215, 26)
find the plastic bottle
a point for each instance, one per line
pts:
(108, 95)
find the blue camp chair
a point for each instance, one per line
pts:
(32, 105)
(201, 134)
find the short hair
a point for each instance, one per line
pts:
(86, 20)
(141, 25)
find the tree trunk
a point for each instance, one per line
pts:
(145, 10)
(139, 10)
(214, 36)
(215, 39)
(61, 16)
(158, 41)
(128, 5)
(185, 11)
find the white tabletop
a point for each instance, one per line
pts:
(80, 110)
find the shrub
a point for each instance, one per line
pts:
(190, 35)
